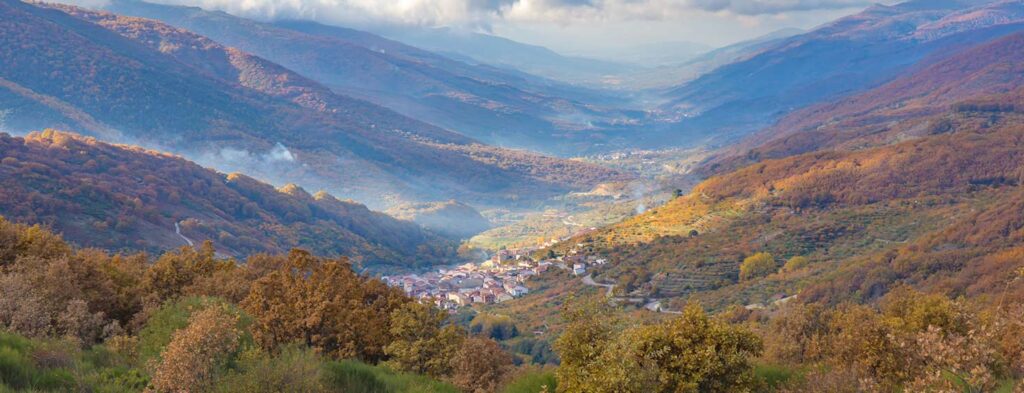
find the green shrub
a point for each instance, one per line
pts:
(18, 369)
(534, 381)
(157, 332)
(15, 368)
(757, 266)
(795, 263)
(773, 375)
(294, 369)
(356, 377)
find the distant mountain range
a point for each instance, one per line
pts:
(495, 106)
(676, 73)
(474, 47)
(127, 198)
(141, 81)
(935, 202)
(916, 181)
(844, 57)
(925, 101)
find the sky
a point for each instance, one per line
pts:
(568, 26)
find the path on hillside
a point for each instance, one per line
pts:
(652, 305)
(589, 280)
(177, 229)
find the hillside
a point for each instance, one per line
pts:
(844, 57)
(452, 218)
(494, 106)
(476, 47)
(898, 110)
(127, 198)
(142, 82)
(667, 76)
(940, 212)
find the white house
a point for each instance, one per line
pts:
(518, 291)
(579, 269)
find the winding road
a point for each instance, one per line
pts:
(177, 229)
(652, 305)
(589, 280)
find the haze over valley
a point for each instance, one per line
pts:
(512, 196)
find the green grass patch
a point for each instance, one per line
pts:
(773, 376)
(356, 377)
(533, 382)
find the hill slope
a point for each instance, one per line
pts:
(843, 57)
(898, 110)
(485, 103)
(128, 198)
(940, 212)
(451, 218)
(163, 87)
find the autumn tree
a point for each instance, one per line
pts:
(197, 353)
(480, 365)
(421, 344)
(690, 353)
(325, 305)
(590, 327)
(756, 266)
(798, 334)
(795, 263)
(174, 271)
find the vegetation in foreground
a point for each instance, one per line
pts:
(86, 320)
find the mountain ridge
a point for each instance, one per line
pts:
(126, 198)
(843, 57)
(219, 122)
(485, 103)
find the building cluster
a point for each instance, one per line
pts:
(498, 279)
(579, 263)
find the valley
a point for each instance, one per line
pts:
(265, 197)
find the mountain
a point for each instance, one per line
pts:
(972, 79)
(497, 107)
(452, 218)
(840, 58)
(918, 181)
(676, 73)
(123, 198)
(143, 82)
(481, 48)
(940, 212)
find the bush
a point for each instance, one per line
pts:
(19, 371)
(480, 365)
(351, 376)
(199, 353)
(757, 266)
(795, 263)
(498, 327)
(774, 376)
(533, 381)
(294, 369)
(689, 353)
(174, 316)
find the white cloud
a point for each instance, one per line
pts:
(279, 153)
(487, 12)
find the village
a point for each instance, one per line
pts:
(501, 278)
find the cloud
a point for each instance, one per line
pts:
(487, 12)
(771, 7)
(279, 153)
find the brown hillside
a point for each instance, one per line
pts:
(127, 198)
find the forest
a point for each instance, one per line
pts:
(187, 321)
(119, 197)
